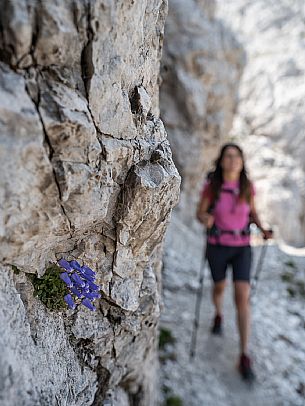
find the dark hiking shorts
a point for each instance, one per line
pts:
(220, 256)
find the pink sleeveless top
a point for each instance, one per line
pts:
(229, 214)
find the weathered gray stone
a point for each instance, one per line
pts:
(201, 67)
(39, 364)
(88, 175)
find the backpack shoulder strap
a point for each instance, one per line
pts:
(234, 192)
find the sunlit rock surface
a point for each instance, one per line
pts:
(201, 67)
(86, 173)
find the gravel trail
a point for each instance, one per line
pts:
(277, 343)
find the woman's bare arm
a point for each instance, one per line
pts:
(202, 212)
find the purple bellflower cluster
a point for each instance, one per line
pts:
(80, 282)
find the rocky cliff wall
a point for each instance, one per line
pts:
(201, 67)
(86, 173)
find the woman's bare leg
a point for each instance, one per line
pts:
(241, 293)
(218, 294)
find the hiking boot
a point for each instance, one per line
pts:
(245, 368)
(217, 326)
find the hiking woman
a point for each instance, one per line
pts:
(225, 208)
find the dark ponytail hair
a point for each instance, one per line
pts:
(216, 176)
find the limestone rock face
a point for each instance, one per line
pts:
(271, 111)
(86, 173)
(201, 66)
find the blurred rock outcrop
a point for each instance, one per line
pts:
(86, 173)
(201, 67)
(270, 121)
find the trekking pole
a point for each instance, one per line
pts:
(259, 267)
(198, 302)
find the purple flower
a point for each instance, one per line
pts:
(80, 282)
(76, 265)
(86, 302)
(65, 264)
(76, 292)
(93, 286)
(88, 278)
(92, 295)
(86, 288)
(70, 302)
(87, 271)
(65, 277)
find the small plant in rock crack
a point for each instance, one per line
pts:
(15, 270)
(289, 263)
(50, 289)
(166, 344)
(80, 281)
(165, 337)
(173, 401)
